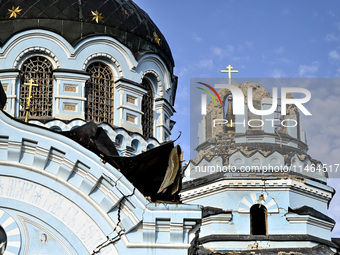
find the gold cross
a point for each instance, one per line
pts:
(229, 67)
(28, 108)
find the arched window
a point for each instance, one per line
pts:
(41, 71)
(3, 240)
(147, 109)
(258, 220)
(100, 94)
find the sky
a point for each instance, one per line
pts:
(261, 39)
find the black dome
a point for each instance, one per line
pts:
(122, 19)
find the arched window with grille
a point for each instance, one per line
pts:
(258, 220)
(147, 109)
(39, 69)
(100, 94)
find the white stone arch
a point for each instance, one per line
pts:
(127, 139)
(153, 62)
(36, 51)
(18, 43)
(151, 142)
(258, 198)
(64, 164)
(159, 84)
(142, 142)
(128, 221)
(107, 41)
(111, 61)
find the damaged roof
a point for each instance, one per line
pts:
(306, 210)
(155, 173)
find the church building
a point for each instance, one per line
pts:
(87, 165)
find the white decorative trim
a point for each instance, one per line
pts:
(225, 185)
(112, 133)
(39, 50)
(63, 126)
(159, 81)
(107, 56)
(220, 218)
(254, 198)
(295, 218)
(33, 34)
(12, 232)
(110, 42)
(159, 63)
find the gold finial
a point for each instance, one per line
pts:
(28, 108)
(157, 39)
(125, 12)
(97, 16)
(14, 12)
(230, 117)
(229, 67)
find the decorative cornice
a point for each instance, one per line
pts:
(279, 238)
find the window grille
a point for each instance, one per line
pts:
(100, 94)
(147, 109)
(41, 71)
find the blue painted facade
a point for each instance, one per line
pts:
(58, 197)
(258, 167)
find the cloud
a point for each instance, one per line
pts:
(332, 38)
(226, 51)
(277, 73)
(206, 63)
(307, 70)
(249, 44)
(332, 14)
(334, 55)
(337, 72)
(286, 11)
(279, 50)
(183, 71)
(196, 37)
(241, 59)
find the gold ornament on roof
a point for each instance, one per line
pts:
(125, 12)
(157, 39)
(97, 16)
(14, 12)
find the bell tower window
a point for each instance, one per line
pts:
(99, 91)
(258, 220)
(147, 109)
(41, 71)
